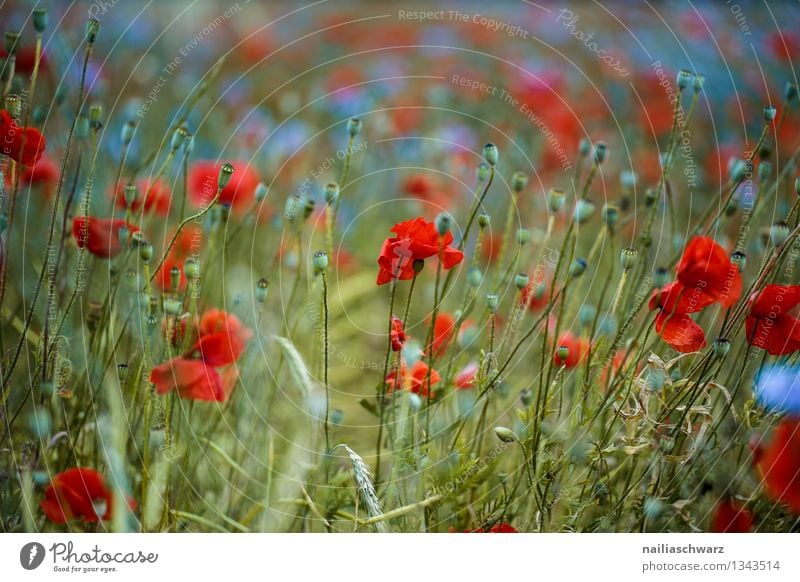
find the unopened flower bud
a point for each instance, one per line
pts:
(261, 192)
(474, 277)
(518, 181)
(490, 154)
(555, 199)
(505, 434)
(128, 130)
(331, 192)
(353, 126)
(778, 233)
(683, 79)
(191, 268)
(790, 92)
(627, 258)
(92, 28)
(521, 281)
(584, 147)
(443, 223)
(320, 261)
(11, 42)
(698, 82)
(739, 259)
(584, 209)
(130, 194)
(40, 19)
(178, 137)
(769, 113)
(82, 127)
(225, 174)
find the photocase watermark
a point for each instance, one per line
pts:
(31, 555)
(507, 97)
(568, 20)
(65, 558)
(493, 24)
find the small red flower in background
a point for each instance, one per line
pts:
(416, 239)
(24, 145)
(768, 324)
(156, 201)
(497, 528)
(222, 339)
(79, 492)
(419, 186)
(778, 462)
(535, 296)
(576, 350)
(465, 379)
(187, 244)
(399, 336)
(416, 380)
(705, 275)
(238, 193)
(100, 236)
(443, 332)
(43, 174)
(25, 59)
(731, 517)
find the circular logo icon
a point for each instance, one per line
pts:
(31, 555)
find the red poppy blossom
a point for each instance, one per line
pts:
(416, 380)
(778, 462)
(768, 324)
(497, 528)
(43, 174)
(416, 239)
(535, 296)
(223, 338)
(79, 492)
(187, 244)
(203, 177)
(465, 379)
(731, 517)
(576, 350)
(443, 332)
(192, 379)
(705, 275)
(100, 236)
(24, 145)
(399, 336)
(156, 197)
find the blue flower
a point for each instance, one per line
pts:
(778, 388)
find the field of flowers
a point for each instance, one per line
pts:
(399, 267)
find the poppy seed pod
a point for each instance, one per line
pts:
(178, 137)
(82, 127)
(130, 194)
(739, 259)
(778, 233)
(331, 192)
(627, 178)
(261, 192)
(145, 251)
(523, 236)
(764, 170)
(40, 19)
(518, 181)
(721, 347)
(474, 277)
(308, 208)
(600, 152)
(417, 265)
(483, 220)
(172, 306)
(482, 172)
(790, 92)
(490, 154)
(683, 78)
(320, 261)
(492, 301)
(698, 82)
(562, 352)
(610, 214)
(174, 278)
(505, 434)
(769, 113)
(627, 258)
(191, 269)
(443, 223)
(797, 186)
(225, 174)
(660, 277)
(353, 126)
(555, 199)
(526, 396)
(521, 281)
(95, 116)
(262, 287)
(92, 28)
(650, 197)
(584, 147)
(584, 209)
(577, 268)
(737, 169)
(586, 314)
(11, 42)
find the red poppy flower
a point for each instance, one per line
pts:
(399, 336)
(79, 492)
(768, 324)
(100, 236)
(497, 528)
(238, 193)
(416, 380)
(730, 517)
(705, 275)
(416, 239)
(191, 378)
(187, 244)
(26, 59)
(465, 379)
(443, 332)
(778, 462)
(576, 350)
(24, 145)
(419, 186)
(223, 338)
(156, 197)
(43, 174)
(534, 295)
